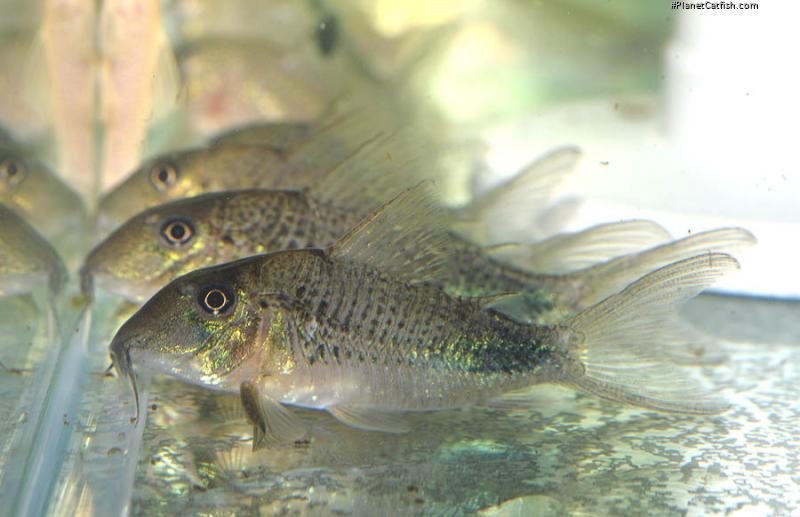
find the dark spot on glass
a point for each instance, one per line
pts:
(227, 239)
(263, 304)
(326, 34)
(300, 291)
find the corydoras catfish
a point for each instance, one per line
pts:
(27, 261)
(27, 185)
(287, 157)
(169, 240)
(358, 330)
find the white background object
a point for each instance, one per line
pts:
(718, 149)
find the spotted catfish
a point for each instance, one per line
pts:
(265, 156)
(27, 261)
(27, 185)
(166, 241)
(358, 330)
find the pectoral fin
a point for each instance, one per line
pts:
(271, 421)
(370, 419)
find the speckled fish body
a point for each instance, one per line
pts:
(357, 329)
(144, 254)
(169, 240)
(326, 333)
(27, 261)
(233, 161)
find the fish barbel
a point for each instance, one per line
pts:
(358, 331)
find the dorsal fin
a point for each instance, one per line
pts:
(407, 236)
(371, 174)
(515, 204)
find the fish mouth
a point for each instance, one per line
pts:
(121, 357)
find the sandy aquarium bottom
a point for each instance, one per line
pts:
(69, 447)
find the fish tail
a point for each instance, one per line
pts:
(617, 349)
(595, 283)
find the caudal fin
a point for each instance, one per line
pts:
(619, 348)
(602, 280)
(568, 252)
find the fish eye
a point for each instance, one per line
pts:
(12, 171)
(177, 231)
(326, 34)
(163, 176)
(215, 300)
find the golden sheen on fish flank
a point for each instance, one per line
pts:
(27, 261)
(169, 240)
(241, 321)
(358, 330)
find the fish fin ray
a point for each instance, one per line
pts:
(568, 252)
(369, 419)
(687, 345)
(365, 178)
(524, 195)
(167, 82)
(610, 277)
(554, 217)
(406, 236)
(615, 349)
(490, 300)
(272, 423)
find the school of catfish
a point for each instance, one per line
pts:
(315, 264)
